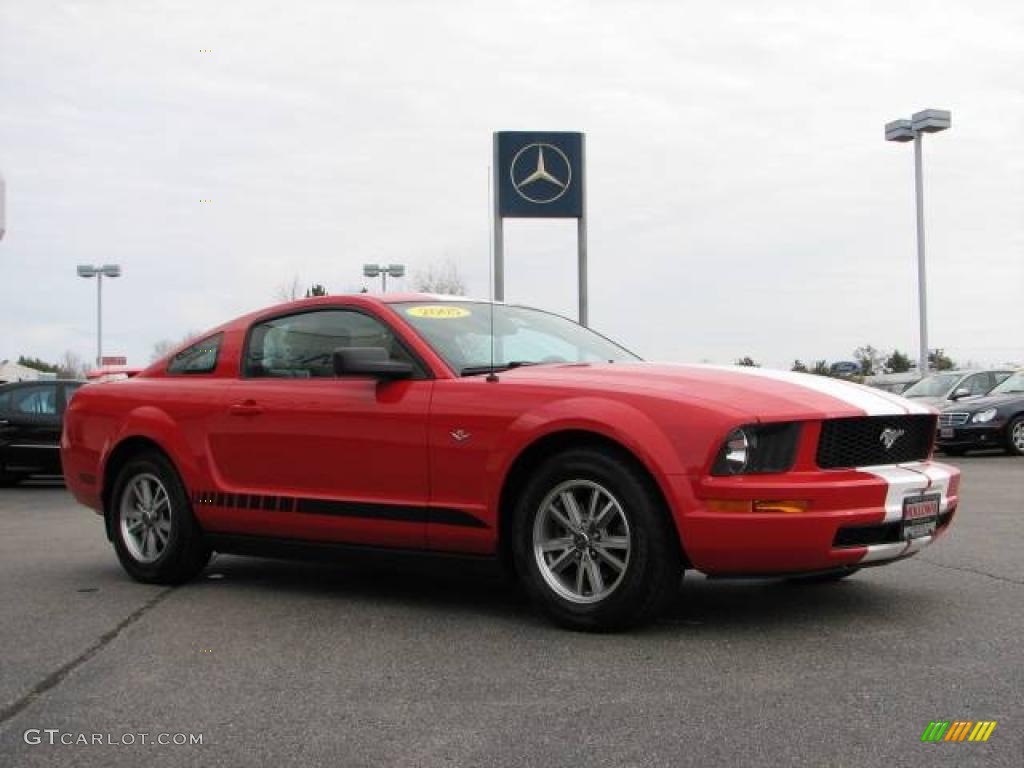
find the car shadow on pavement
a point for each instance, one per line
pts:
(480, 588)
(441, 584)
(760, 605)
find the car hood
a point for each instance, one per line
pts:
(934, 402)
(975, 404)
(756, 393)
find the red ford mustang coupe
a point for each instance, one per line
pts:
(429, 423)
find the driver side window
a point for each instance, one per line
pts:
(35, 401)
(301, 346)
(978, 384)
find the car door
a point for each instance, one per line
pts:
(304, 454)
(30, 429)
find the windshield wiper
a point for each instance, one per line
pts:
(476, 370)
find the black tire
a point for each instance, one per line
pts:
(954, 451)
(652, 569)
(185, 553)
(1014, 429)
(8, 480)
(825, 578)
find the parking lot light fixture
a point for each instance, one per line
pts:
(99, 272)
(373, 270)
(904, 130)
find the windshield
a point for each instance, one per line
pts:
(1014, 384)
(935, 385)
(460, 331)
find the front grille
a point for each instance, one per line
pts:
(870, 440)
(953, 419)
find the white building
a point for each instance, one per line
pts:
(10, 371)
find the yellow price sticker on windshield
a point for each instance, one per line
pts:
(438, 312)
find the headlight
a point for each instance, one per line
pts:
(758, 449)
(982, 417)
(736, 452)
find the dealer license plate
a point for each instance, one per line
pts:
(920, 515)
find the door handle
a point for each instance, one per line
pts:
(248, 408)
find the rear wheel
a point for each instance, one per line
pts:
(1015, 437)
(594, 546)
(156, 536)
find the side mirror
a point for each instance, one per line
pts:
(960, 392)
(369, 361)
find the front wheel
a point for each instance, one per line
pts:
(1015, 437)
(594, 543)
(156, 537)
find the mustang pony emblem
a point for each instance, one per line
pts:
(460, 434)
(890, 435)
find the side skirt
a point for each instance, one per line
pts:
(328, 551)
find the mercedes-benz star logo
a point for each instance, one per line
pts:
(890, 435)
(541, 173)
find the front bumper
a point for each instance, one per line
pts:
(990, 435)
(853, 518)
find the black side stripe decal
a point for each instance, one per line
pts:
(336, 508)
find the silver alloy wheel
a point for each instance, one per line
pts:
(581, 541)
(145, 517)
(1018, 436)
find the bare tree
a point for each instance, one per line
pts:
(164, 347)
(291, 290)
(71, 366)
(869, 359)
(443, 278)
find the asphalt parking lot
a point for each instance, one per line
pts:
(419, 664)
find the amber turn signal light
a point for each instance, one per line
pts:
(786, 507)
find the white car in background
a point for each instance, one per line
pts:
(946, 387)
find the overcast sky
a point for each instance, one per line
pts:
(742, 199)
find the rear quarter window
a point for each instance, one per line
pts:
(201, 357)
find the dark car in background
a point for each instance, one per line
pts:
(993, 421)
(31, 416)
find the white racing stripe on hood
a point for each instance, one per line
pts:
(905, 402)
(872, 402)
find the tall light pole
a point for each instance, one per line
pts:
(928, 121)
(107, 270)
(2, 196)
(395, 270)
